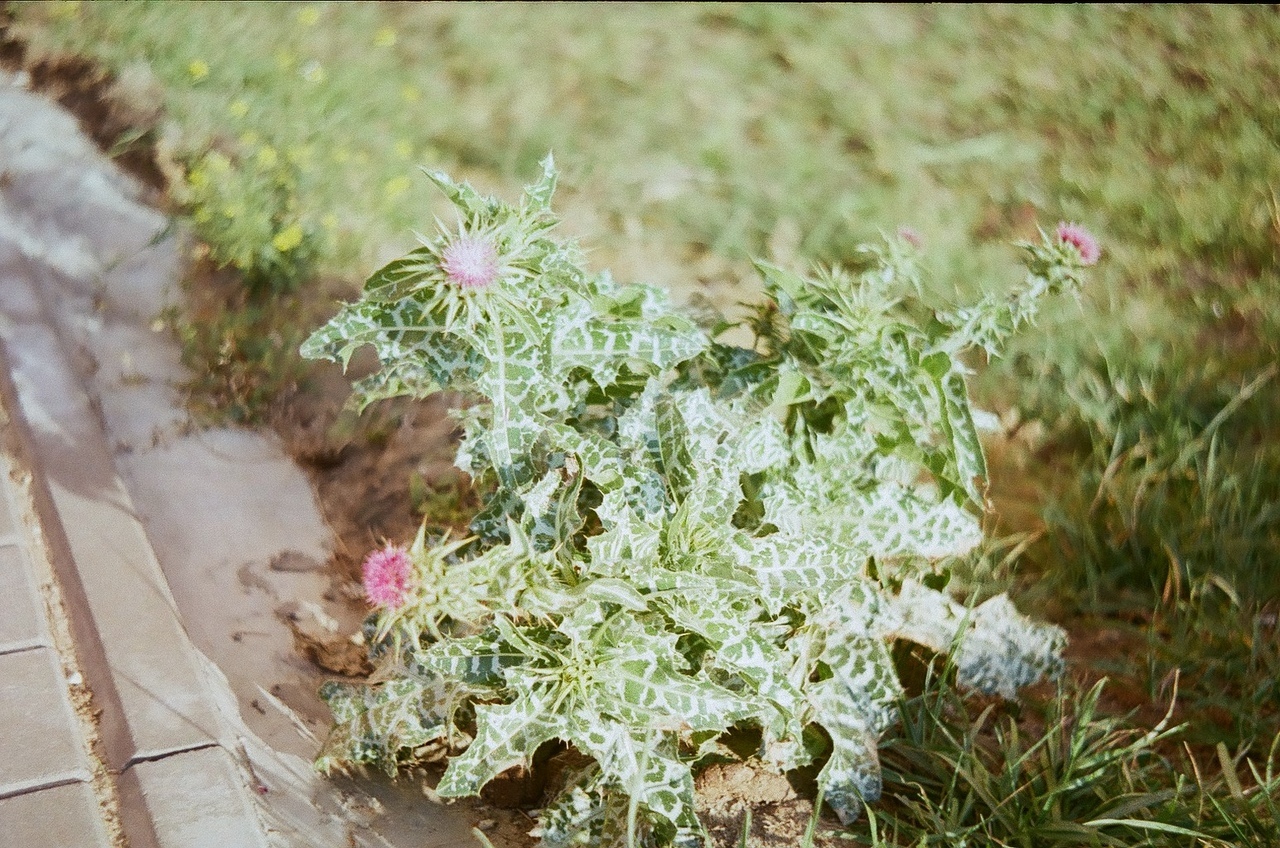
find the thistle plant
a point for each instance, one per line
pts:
(684, 536)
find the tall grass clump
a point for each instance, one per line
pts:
(1170, 517)
(972, 772)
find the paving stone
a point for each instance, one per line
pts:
(40, 744)
(7, 524)
(194, 800)
(22, 623)
(61, 817)
(153, 693)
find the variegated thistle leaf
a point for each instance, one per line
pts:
(855, 703)
(888, 520)
(579, 815)
(507, 735)
(643, 766)
(997, 649)
(385, 723)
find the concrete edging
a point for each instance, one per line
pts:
(162, 736)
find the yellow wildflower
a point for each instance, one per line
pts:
(410, 94)
(299, 155)
(238, 108)
(396, 186)
(330, 221)
(288, 238)
(404, 149)
(309, 16)
(385, 37)
(198, 69)
(267, 156)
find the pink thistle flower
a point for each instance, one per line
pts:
(471, 262)
(911, 236)
(387, 575)
(1082, 240)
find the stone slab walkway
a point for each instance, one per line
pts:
(115, 728)
(52, 788)
(103, 699)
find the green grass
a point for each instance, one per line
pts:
(702, 134)
(693, 137)
(966, 772)
(1169, 510)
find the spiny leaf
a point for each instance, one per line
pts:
(506, 736)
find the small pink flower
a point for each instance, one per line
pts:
(911, 236)
(471, 262)
(387, 575)
(1082, 240)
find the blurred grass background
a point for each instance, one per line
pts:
(1140, 446)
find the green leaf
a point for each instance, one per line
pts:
(462, 195)
(971, 465)
(401, 277)
(539, 194)
(506, 736)
(382, 724)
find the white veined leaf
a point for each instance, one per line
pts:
(924, 616)
(889, 520)
(401, 277)
(603, 348)
(614, 591)
(971, 466)
(466, 198)
(506, 736)
(478, 661)
(857, 701)
(1005, 650)
(538, 195)
(644, 768)
(763, 663)
(997, 649)
(378, 723)
(640, 681)
(761, 445)
(585, 813)
(785, 565)
(599, 458)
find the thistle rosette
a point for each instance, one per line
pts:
(684, 535)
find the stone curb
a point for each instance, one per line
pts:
(162, 735)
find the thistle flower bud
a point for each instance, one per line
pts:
(387, 577)
(1082, 240)
(470, 262)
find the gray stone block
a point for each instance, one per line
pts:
(22, 623)
(41, 743)
(8, 524)
(61, 817)
(192, 800)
